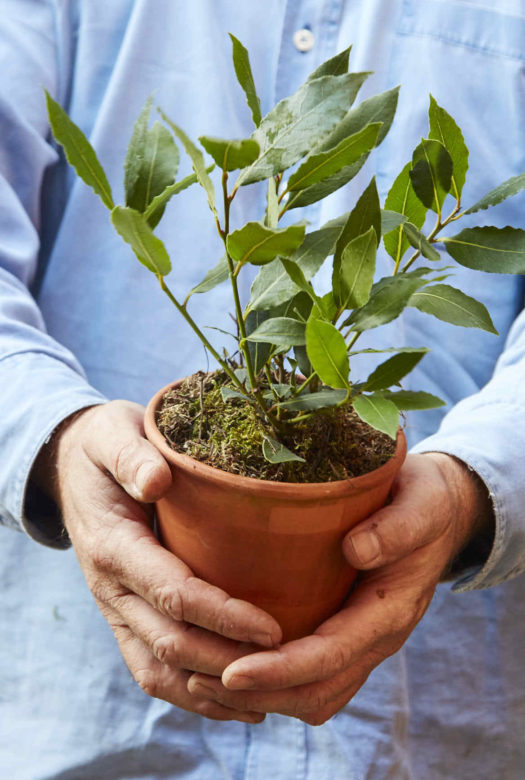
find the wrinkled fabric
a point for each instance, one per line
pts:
(81, 321)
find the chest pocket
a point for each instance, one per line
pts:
(471, 57)
(497, 31)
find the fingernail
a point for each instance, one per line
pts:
(264, 639)
(143, 475)
(239, 682)
(365, 545)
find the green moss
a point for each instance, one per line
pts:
(335, 443)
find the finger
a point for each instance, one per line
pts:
(131, 555)
(178, 645)
(161, 682)
(313, 703)
(115, 442)
(374, 623)
(417, 516)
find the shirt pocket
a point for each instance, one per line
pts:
(468, 23)
(472, 59)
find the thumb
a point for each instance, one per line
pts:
(421, 511)
(115, 442)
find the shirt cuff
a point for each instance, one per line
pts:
(490, 439)
(38, 393)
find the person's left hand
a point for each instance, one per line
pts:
(437, 508)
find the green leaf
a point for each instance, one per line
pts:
(299, 307)
(300, 354)
(79, 152)
(357, 268)
(135, 152)
(378, 412)
(328, 306)
(215, 276)
(394, 369)
(296, 275)
(231, 155)
(257, 244)
(159, 161)
(228, 393)
(506, 190)
(134, 229)
(272, 205)
(492, 249)
(443, 128)
(318, 167)
(380, 108)
(275, 452)
(283, 391)
(309, 402)
(365, 214)
(324, 188)
(326, 349)
(403, 200)
(409, 400)
(388, 298)
(197, 161)
(298, 122)
(390, 220)
(243, 71)
(335, 66)
(451, 305)
(259, 351)
(283, 331)
(420, 242)
(273, 286)
(159, 201)
(431, 173)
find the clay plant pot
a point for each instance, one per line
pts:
(274, 544)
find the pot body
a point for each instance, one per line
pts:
(274, 544)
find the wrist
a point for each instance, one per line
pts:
(45, 474)
(473, 512)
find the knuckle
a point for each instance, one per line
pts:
(148, 681)
(315, 718)
(337, 660)
(308, 706)
(100, 588)
(126, 463)
(165, 649)
(170, 601)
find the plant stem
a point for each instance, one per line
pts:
(233, 272)
(235, 289)
(438, 227)
(193, 325)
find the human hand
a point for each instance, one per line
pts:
(102, 473)
(437, 507)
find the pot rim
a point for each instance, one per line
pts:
(309, 490)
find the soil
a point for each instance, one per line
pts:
(336, 444)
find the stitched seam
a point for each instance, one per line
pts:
(492, 51)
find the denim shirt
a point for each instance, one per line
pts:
(81, 321)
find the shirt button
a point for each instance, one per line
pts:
(303, 39)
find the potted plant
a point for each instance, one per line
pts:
(280, 451)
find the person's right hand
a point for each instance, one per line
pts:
(102, 472)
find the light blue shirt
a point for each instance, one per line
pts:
(451, 703)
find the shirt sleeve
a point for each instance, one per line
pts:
(41, 382)
(487, 432)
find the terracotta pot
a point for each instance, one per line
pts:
(275, 544)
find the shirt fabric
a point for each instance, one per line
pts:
(82, 321)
